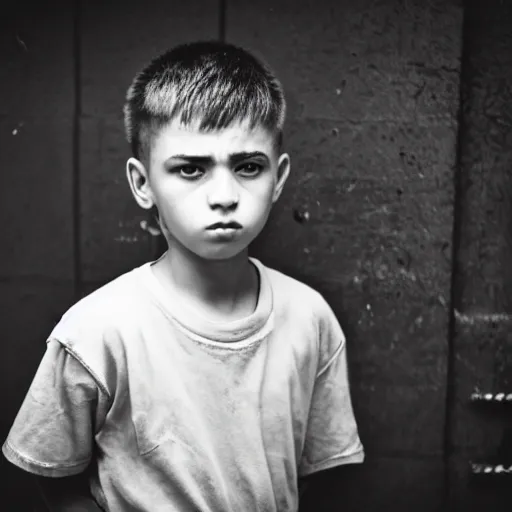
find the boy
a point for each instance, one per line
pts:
(203, 381)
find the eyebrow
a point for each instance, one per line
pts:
(208, 160)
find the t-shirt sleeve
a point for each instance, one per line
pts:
(54, 430)
(332, 437)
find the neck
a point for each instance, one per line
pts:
(226, 288)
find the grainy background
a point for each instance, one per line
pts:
(400, 131)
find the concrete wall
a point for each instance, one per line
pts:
(388, 172)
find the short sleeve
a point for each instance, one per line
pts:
(332, 437)
(54, 430)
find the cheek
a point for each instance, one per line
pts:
(263, 191)
(269, 196)
(173, 209)
(174, 197)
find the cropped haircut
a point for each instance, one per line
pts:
(211, 83)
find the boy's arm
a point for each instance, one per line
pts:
(328, 469)
(53, 433)
(332, 437)
(66, 494)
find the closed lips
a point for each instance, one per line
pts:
(225, 225)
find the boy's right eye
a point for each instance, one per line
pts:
(190, 172)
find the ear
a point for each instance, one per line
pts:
(139, 183)
(283, 171)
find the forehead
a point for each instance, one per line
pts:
(176, 138)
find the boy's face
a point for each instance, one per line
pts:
(213, 190)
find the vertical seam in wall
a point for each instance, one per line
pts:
(222, 20)
(454, 284)
(77, 112)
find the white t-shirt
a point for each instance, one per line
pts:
(175, 413)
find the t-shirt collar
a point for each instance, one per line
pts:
(205, 329)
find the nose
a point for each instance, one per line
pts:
(223, 191)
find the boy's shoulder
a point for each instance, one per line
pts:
(116, 294)
(116, 301)
(301, 304)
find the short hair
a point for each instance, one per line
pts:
(209, 82)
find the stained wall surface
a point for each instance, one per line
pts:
(398, 208)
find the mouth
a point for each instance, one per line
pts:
(225, 226)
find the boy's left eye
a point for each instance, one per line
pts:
(249, 169)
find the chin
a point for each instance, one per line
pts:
(223, 254)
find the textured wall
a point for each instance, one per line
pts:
(483, 272)
(367, 216)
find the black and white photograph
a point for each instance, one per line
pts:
(256, 256)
